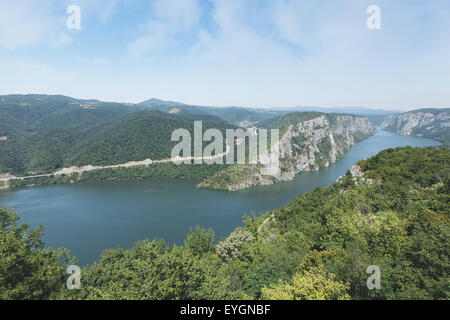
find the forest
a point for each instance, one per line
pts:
(319, 246)
(46, 133)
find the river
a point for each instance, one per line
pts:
(91, 217)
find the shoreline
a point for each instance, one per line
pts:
(5, 178)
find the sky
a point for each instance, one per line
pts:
(255, 53)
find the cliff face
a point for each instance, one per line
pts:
(320, 142)
(430, 123)
(304, 146)
(411, 123)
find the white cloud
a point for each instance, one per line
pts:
(101, 61)
(171, 17)
(26, 76)
(104, 10)
(107, 14)
(60, 39)
(285, 16)
(26, 23)
(156, 35)
(178, 13)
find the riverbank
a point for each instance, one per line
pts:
(164, 168)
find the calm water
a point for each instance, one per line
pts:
(88, 218)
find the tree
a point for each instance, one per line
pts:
(230, 247)
(200, 241)
(28, 271)
(312, 284)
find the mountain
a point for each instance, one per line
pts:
(38, 129)
(234, 115)
(350, 110)
(40, 134)
(248, 117)
(308, 141)
(162, 103)
(134, 137)
(31, 113)
(376, 116)
(429, 123)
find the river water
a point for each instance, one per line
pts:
(91, 217)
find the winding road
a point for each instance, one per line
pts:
(146, 162)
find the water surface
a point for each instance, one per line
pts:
(91, 217)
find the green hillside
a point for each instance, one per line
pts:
(233, 115)
(45, 133)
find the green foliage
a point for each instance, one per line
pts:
(312, 284)
(230, 247)
(200, 241)
(28, 270)
(156, 170)
(148, 271)
(283, 123)
(410, 170)
(325, 146)
(46, 133)
(233, 115)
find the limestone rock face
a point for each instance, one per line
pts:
(304, 146)
(431, 123)
(320, 142)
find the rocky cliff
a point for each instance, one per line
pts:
(315, 141)
(431, 123)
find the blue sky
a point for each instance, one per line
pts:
(273, 53)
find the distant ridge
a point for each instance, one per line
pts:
(159, 102)
(351, 110)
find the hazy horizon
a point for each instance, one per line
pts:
(235, 106)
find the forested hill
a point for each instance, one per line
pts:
(138, 136)
(389, 211)
(39, 134)
(234, 115)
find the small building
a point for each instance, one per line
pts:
(3, 138)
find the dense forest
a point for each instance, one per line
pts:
(234, 115)
(395, 216)
(45, 133)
